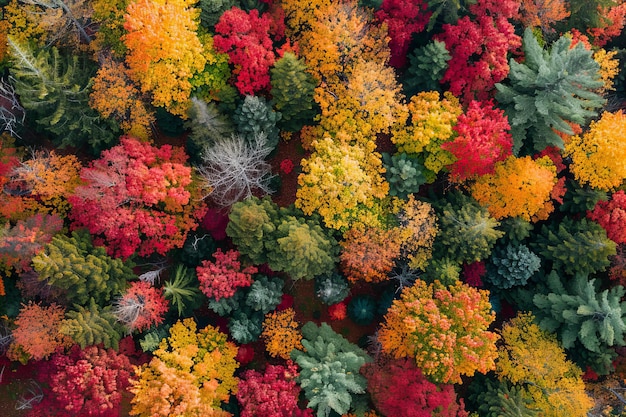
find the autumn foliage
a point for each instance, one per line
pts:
(611, 215)
(220, 279)
(369, 254)
(141, 306)
(281, 333)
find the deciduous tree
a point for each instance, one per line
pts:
(611, 215)
(369, 254)
(224, 276)
(141, 306)
(281, 333)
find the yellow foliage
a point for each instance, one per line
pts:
(24, 20)
(533, 358)
(300, 15)
(281, 333)
(338, 177)
(599, 155)
(417, 232)
(609, 67)
(164, 51)
(519, 187)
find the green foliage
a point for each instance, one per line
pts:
(511, 266)
(151, 340)
(467, 232)
(292, 92)
(585, 14)
(251, 227)
(227, 305)
(449, 11)
(302, 248)
(207, 125)
(81, 270)
(362, 309)
(54, 89)
(254, 116)
(575, 246)
(264, 294)
(515, 229)
(246, 328)
(444, 270)
(547, 90)
(196, 249)
(576, 310)
(404, 173)
(212, 10)
(579, 199)
(499, 399)
(331, 288)
(329, 369)
(182, 290)
(427, 64)
(92, 325)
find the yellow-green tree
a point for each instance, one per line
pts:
(533, 359)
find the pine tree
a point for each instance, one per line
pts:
(548, 90)
(56, 88)
(92, 325)
(329, 372)
(265, 293)
(511, 266)
(255, 116)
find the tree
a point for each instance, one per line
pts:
(245, 37)
(292, 92)
(575, 246)
(164, 51)
(418, 229)
(427, 65)
(611, 215)
(92, 325)
(273, 393)
(482, 139)
(369, 254)
(577, 310)
(182, 290)
(54, 90)
(562, 75)
(543, 14)
(109, 19)
(137, 199)
(190, 374)
(398, 388)
(443, 329)
(281, 333)
(141, 307)
(479, 49)
(84, 382)
(597, 154)
(532, 360)
(511, 266)
(233, 168)
(506, 193)
(37, 332)
(329, 369)
(80, 269)
(220, 279)
(208, 126)
(254, 117)
(405, 174)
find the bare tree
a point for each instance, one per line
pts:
(12, 114)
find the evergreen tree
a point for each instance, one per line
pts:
(207, 125)
(329, 372)
(548, 90)
(81, 270)
(254, 116)
(92, 325)
(331, 288)
(511, 266)
(54, 89)
(264, 294)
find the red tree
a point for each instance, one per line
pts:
(271, 394)
(220, 279)
(141, 307)
(479, 48)
(138, 198)
(403, 19)
(399, 389)
(86, 382)
(611, 215)
(482, 139)
(245, 37)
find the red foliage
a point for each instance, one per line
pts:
(271, 394)
(613, 24)
(403, 19)
(482, 139)
(611, 215)
(286, 301)
(84, 383)
(137, 199)
(479, 49)
(473, 273)
(338, 311)
(286, 166)
(245, 354)
(245, 37)
(142, 306)
(215, 222)
(399, 389)
(220, 279)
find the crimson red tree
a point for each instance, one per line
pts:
(138, 199)
(220, 279)
(611, 215)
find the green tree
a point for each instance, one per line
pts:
(427, 65)
(54, 89)
(329, 372)
(511, 265)
(292, 92)
(255, 116)
(81, 270)
(92, 325)
(207, 124)
(548, 90)
(576, 310)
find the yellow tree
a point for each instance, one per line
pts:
(164, 51)
(417, 232)
(533, 359)
(281, 333)
(519, 187)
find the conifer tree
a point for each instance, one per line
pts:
(255, 116)
(92, 325)
(548, 90)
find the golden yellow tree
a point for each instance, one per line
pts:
(533, 359)
(599, 155)
(418, 228)
(519, 187)
(281, 333)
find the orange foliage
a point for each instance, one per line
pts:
(281, 334)
(37, 332)
(2, 290)
(519, 187)
(369, 254)
(542, 13)
(614, 19)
